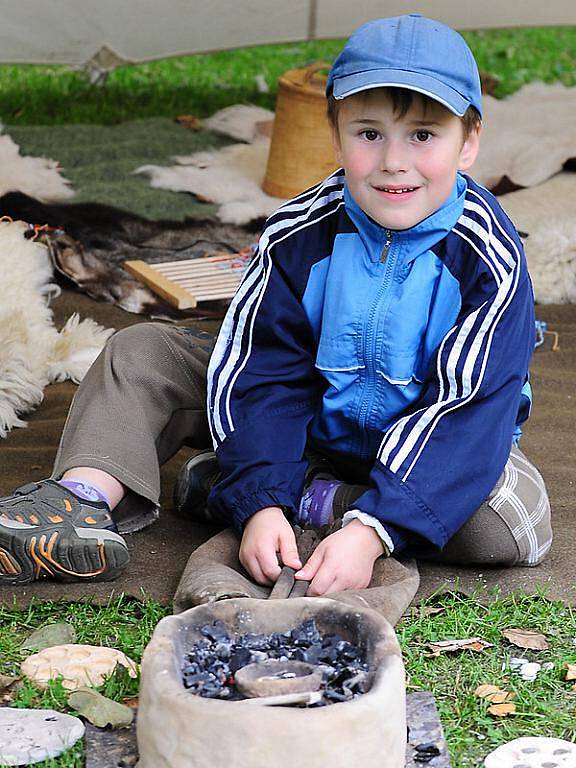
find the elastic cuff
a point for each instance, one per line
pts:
(365, 519)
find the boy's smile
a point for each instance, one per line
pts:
(400, 169)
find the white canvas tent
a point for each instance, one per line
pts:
(105, 33)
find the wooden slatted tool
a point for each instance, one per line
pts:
(188, 282)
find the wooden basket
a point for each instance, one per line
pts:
(301, 152)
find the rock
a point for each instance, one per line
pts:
(31, 735)
(79, 665)
(533, 752)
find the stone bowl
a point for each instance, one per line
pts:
(177, 729)
(276, 678)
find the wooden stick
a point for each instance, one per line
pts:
(168, 290)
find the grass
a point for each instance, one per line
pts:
(544, 707)
(201, 84)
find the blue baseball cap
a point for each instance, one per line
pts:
(409, 52)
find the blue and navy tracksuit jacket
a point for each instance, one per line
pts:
(409, 349)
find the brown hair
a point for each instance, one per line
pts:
(402, 100)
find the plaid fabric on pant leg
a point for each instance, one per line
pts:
(512, 527)
(520, 500)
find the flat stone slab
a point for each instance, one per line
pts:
(118, 749)
(29, 736)
(424, 732)
(111, 749)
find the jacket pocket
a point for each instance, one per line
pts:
(339, 355)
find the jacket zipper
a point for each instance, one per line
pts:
(369, 339)
(386, 246)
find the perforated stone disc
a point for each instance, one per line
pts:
(79, 665)
(31, 735)
(533, 752)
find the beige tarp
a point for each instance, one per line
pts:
(115, 31)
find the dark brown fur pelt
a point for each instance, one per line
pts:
(89, 243)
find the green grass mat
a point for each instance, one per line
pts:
(99, 161)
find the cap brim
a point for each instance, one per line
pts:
(398, 78)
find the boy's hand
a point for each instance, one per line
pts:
(343, 560)
(265, 534)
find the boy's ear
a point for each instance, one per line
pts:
(336, 145)
(469, 151)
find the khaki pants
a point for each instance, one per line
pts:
(145, 397)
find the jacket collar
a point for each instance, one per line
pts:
(419, 238)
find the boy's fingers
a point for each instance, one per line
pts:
(322, 584)
(252, 564)
(289, 552)
(268, 563)
(309, 571)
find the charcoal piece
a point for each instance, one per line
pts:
(348, 652)
(254, 642)
(333, 695)
(355, 683)
(429, 748)
(256, 656)
(192, 668)
(220, 671)
(329, 654)
(223, 650)
(306, 633)
(199, 681)
(216, 631)
(239, 658)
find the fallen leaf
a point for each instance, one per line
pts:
(526, 638)
(131, 701)
(49, 636)
(6, 681)
(501, 696)
(485, 690)
(502, 710)
(99, 710)
(467, 644)
(570, 671)
(189, 121)
(9, 687)
(494, 694)
(431, 610)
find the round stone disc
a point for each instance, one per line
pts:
(31, 735)
(533, 752)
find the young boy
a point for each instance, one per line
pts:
(373, 364)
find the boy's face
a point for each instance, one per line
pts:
(400, 170)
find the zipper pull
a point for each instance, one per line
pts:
(386, 247)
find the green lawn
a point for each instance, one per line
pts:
(201, 84)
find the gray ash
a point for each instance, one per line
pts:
(210, 665)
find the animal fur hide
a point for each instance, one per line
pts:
(89, 242)
(35, 176)
(32, 352)
(528, 137)
(547, 213)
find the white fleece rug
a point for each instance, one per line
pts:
(32, 352)
(547, 213)
(527, 138)
(38, 177)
